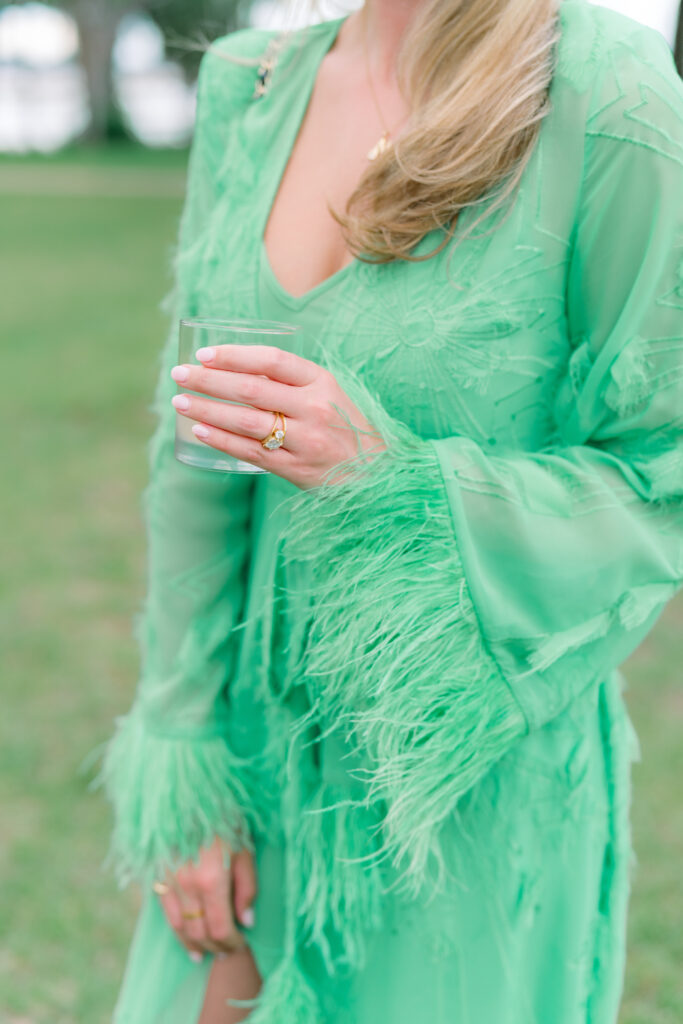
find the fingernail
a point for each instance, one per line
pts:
(181, 402)
(248, 917)
(205, 355)
(180, 373)
(199, 431)
(195, 957)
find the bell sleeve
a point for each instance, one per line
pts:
(173, 780)
(464, 598)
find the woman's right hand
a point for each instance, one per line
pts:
(205, 900)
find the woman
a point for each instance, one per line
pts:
(378, 764)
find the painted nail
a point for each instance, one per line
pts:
(195, 957)
(199, 430)
(180, 373)
(205, 355)
(181, 402)
(248, 917)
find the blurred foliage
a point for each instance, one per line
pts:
(187, 26)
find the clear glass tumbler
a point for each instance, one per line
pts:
(201, 332)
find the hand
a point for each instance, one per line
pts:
(203, 899)
(269, 380)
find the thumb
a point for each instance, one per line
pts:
(244, 887)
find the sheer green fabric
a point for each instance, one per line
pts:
(589, 529)
(406, 683)
(173, 777)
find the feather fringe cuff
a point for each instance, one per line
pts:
(172, 796)
(394, 654)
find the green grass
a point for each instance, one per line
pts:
(82, 280)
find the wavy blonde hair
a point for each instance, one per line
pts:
(476, 76)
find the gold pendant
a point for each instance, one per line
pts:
(380, 146)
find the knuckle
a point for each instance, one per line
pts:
(208, 880)
(320, 407)
(316, 445)
(249, 422)
(249, 388)
(185, 877)
(220, 931)
(276, 359)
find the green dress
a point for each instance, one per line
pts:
(402, 690)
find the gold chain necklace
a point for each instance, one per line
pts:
(384, 142)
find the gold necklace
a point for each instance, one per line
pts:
(384, 141)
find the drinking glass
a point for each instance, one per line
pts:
(201, 332)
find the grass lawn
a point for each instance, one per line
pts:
(82, 280)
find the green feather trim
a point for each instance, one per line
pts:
(340, 877)
(394, 656)
(172, 795)
(286, 998)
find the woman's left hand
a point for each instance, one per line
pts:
(268, 380)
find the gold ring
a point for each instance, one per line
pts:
(189, 914)
(160, 888)
(276, 438)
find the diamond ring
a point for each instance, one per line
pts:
(276, 438)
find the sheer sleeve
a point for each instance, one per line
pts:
(168, 770)
(481, 593)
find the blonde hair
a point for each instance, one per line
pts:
(476, 75)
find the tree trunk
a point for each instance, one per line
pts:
(98, 21)
(678, 45)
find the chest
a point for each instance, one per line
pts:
(474, 340)
(327, 161)
(303, 241)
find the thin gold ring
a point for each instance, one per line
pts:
(276, 437)
(190, 914)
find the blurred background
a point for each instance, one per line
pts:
(96, 111)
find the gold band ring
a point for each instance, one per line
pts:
(160, 888)
(190, 914)
(276, 438)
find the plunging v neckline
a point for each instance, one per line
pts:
(291, 134)
(298, 301)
